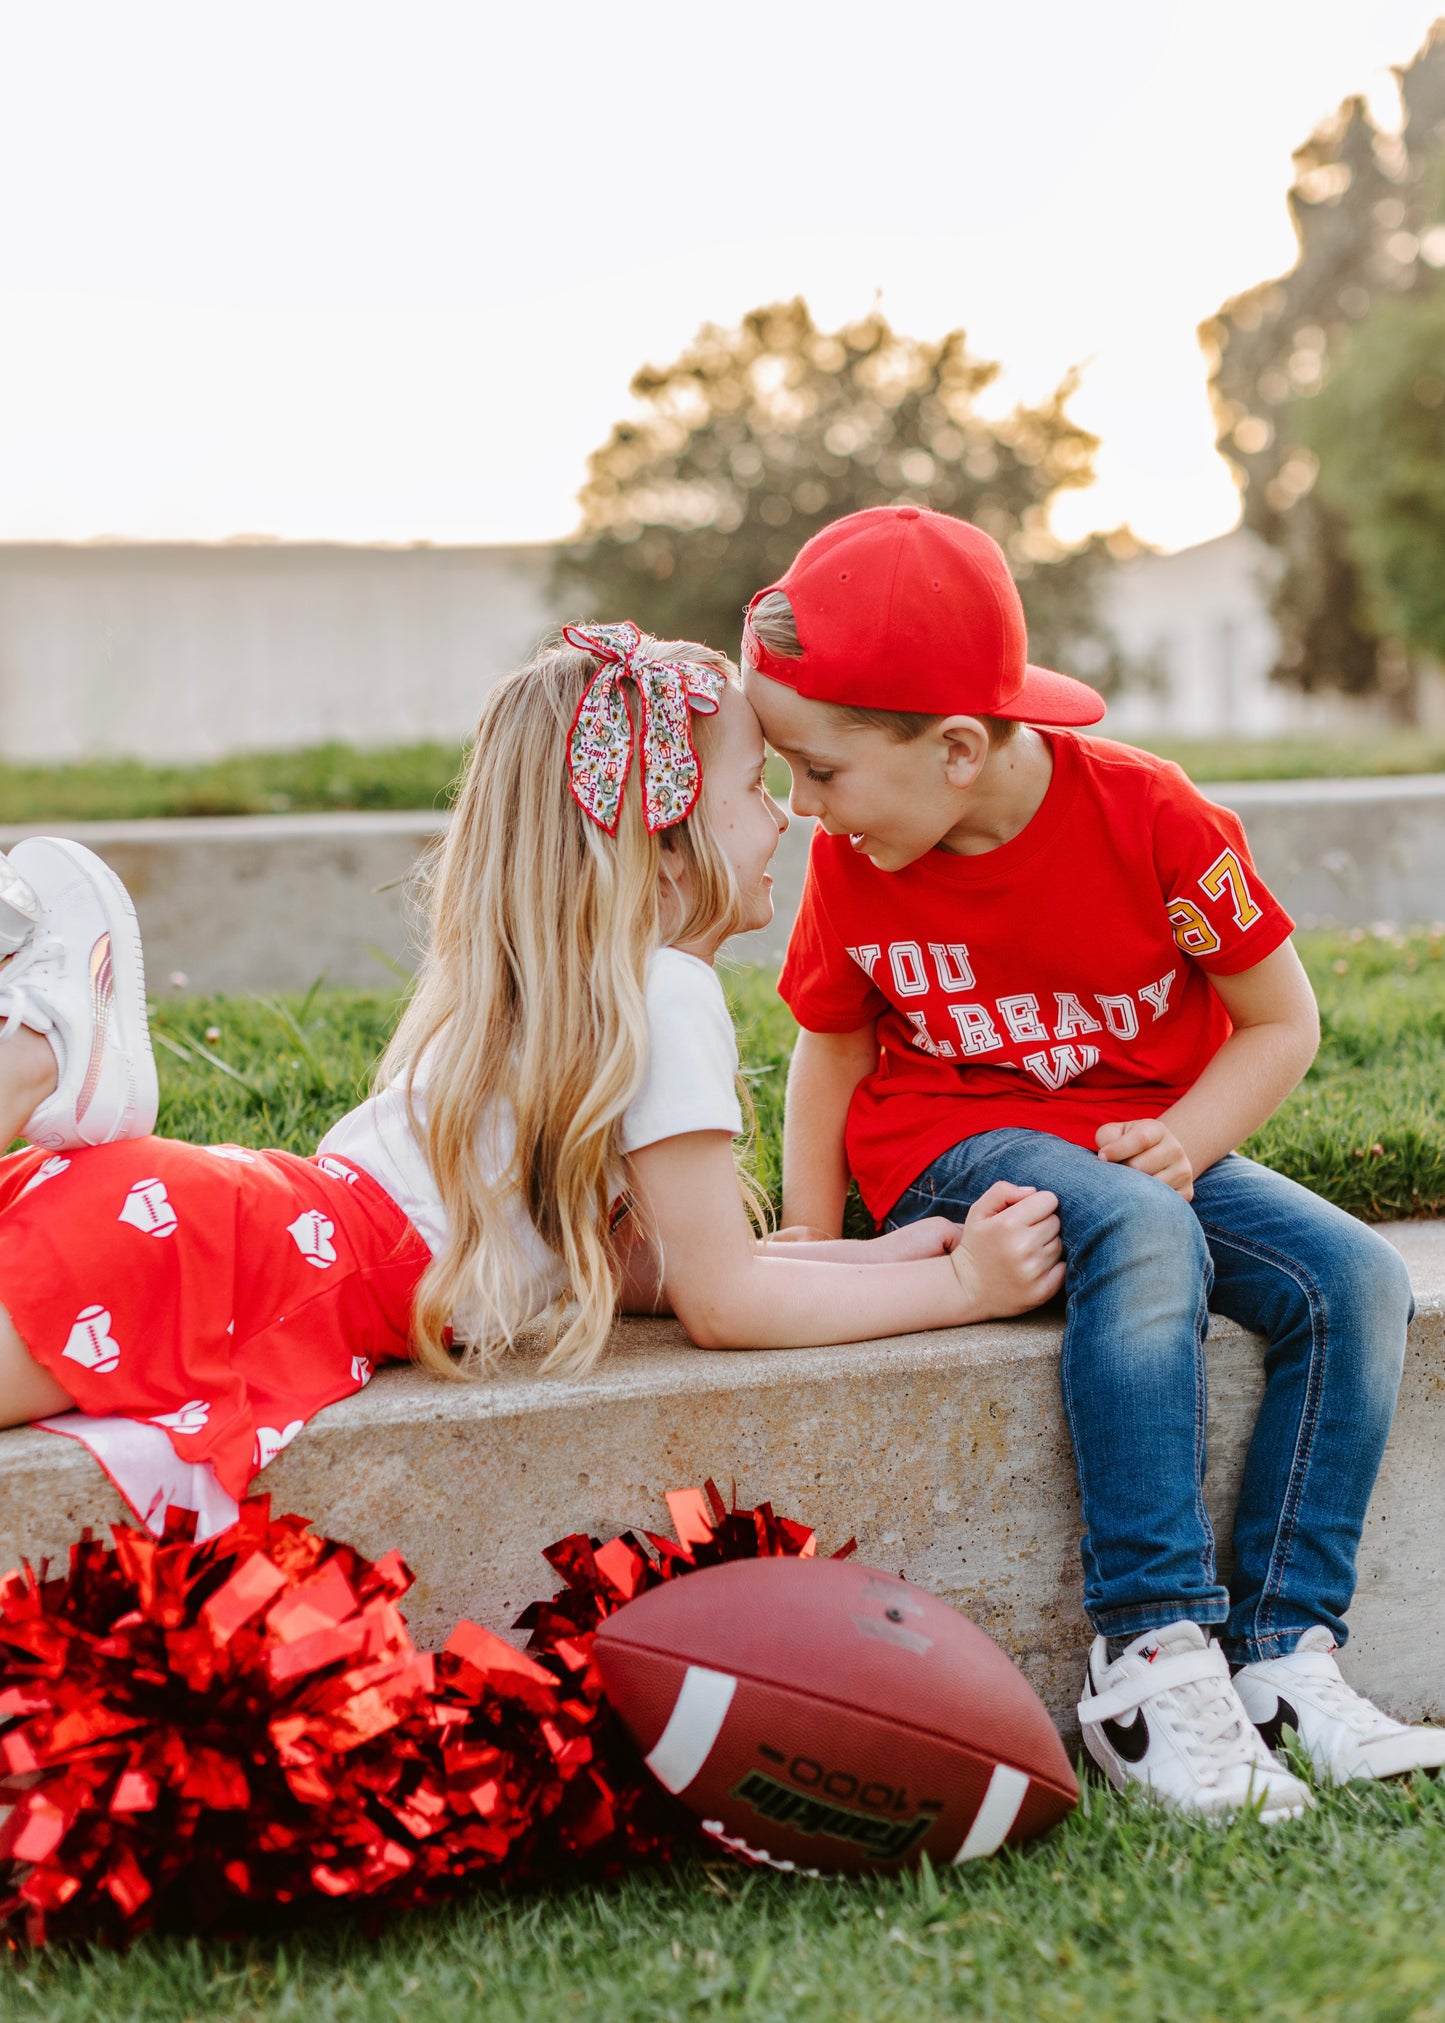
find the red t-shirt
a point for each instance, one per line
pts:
(1058, 982)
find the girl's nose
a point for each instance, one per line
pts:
(780, 814)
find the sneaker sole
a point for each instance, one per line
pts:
(134, 1039)
(1119, 1776)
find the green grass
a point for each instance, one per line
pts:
(1120, 1916)
(1366, 1129)
(1370, 754)
(339, 776)
(320, 777)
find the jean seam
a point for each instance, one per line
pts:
(1201, 1427)
(1288, 1523)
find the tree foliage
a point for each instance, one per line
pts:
(758, 436)
(1378, 430)
(1366, 209)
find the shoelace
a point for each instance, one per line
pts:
(18, 999)
(1190, 1693)
(1214, 1728)
(1336, 1697)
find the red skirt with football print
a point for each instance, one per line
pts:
(223, 1295)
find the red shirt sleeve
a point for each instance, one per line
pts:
(1222, 913)
(824, 983)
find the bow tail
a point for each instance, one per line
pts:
(599, 749)
(671, 774)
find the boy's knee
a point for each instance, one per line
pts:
(1152, 1235)
(1367, 1281)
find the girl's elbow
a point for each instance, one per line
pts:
(711, 1331)
(718, 1325)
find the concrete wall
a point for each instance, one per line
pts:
(185, 651)
(946, 1453)
(1201, 619)
(177, 651)
(271, 902)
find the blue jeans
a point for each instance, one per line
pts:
(1144, 1266)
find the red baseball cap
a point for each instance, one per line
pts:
(901, 608)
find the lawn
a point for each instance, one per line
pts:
(1120, 1915)
(339, 776)
(317, 777)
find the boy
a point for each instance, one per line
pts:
(1048, 959)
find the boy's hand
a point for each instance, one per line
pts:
(1009, 1257)
(799, 1232)
(1149, 1146)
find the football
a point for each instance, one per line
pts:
(820, 1715)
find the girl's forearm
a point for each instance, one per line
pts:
(835, 1250)
(777, 1302)
(1242, 1087)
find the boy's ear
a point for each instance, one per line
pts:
(966, 747)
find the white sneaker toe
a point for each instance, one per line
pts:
(1346, 1737)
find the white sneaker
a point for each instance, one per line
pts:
(79, 979)
(1165, 1716)
(1345, 1735)
(19, 908)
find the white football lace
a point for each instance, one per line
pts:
(18, 1000)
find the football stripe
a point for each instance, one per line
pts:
(692, 1727)
(1000, 1808)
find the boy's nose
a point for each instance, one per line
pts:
(802, 802)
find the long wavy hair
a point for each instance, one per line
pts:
(529, 1005)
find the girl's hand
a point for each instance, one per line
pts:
(1010, 1258)
(1149, 1146)
(933, 1236)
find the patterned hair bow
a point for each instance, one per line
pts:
(599, 750)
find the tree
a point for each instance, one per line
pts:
(1378, 432)
(1365, 209)
(757, 437)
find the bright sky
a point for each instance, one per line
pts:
(328, 269)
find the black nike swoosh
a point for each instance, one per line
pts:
(1132, 1743)
(1284, 1716)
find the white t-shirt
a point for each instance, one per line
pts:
(690, 1085)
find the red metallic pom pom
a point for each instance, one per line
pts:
(198, 1734)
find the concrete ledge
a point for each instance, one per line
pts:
(269, 902)
(946, 1453)
(264, 902)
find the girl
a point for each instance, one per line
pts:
(553, 1120)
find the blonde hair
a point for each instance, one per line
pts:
(529, 1002)
(776, 628)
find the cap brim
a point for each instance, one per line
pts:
(1048, 698)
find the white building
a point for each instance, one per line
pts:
(179, 651)
(1201, 619)
(182, 651)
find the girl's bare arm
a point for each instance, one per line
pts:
(730, 1293)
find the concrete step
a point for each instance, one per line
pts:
(945, 1453)
(238, 903)
(269, 902)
